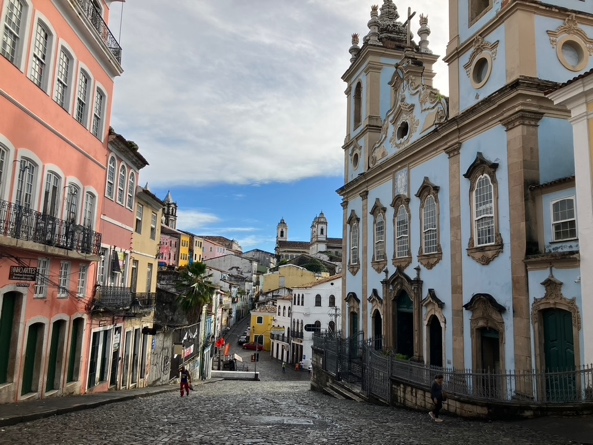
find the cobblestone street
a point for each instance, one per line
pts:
(279, 409)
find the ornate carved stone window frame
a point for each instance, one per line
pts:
(352, 307)
(483, 254)
(486, 313)
(554, 299)
(433, 306)
(429, 260)
(353, 221)
(376, 210)
(571, 33)
(482, 50)
(401, 262)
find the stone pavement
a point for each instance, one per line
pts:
(280, 409)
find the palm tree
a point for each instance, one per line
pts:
(195, 291)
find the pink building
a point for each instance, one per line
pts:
(213, 249)
(58, 61)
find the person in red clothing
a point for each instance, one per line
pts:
(184, 380)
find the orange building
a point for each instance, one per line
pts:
(58, 61)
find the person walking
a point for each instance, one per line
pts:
(184, 381)
(284, 367)
(437, 396)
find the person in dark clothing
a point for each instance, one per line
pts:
(437, 396)
(184, 381)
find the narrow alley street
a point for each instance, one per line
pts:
(279, 409)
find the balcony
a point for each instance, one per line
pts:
(296, 335)
(280, 337)
(122, 299)
(88, 10)
(21, 223)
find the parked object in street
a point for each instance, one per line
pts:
(306, 365)
(242, 340)
(253, 347)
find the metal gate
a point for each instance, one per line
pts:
(378, 375)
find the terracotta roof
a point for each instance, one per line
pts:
(321, 281)
(574, 79)
(551, 183)
(293, 244)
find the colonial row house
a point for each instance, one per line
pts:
(461, 213)
(58, 63)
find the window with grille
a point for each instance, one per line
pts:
(379, 238)
(429, 226)
(51, 196)
(64, 279)
(121, 184)
(484, 211)
(564, 223)
(332, 301)
(153, 220)
(139, 214)
(25, 183)
(357, 105)
(12, 30)
(89, 210)
(82, 97)
(131, 190)
(354, 244)
(82, 280)
(98, 114)
(111, 178)
(42, 278)
(402, 243)
(39, 55)
(102, 263)
(63, 80)
(317, 300)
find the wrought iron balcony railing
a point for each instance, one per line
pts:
(121, 297)
(280, 337)
(25, 224)
(94, 16)
(296, 334)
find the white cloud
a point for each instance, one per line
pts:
(242, 92)
(195, 220)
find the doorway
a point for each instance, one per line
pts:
(405, 326)
(559, 355)
(33, 355)
(115, 357)
(377, 331)
(56, 354)
(435, 342)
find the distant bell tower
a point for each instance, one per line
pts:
(170, 212)
(282, 231)
(318, 234)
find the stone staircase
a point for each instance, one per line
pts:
(343, 391)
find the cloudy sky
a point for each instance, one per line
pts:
(239, 106)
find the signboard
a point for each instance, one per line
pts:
(188, 351)
(21, 273)
(277, 330)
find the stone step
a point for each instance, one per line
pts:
(346, 392)
(333, 393)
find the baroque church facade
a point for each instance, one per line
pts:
(320, 244)
(460, 213)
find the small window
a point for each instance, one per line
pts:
(131, 190)
(429, 226)
(62, 97)
(111, 178)
(51, 198)
(402, 241)
(64, 279)
(89, 210)
(484, 211)
(42, 278)
(26, 183)
(564, 220)
(97, 127)
(153, 220)
(317, 300)
(82, 280)
(13, 31)
(379, 238)
(40, 56)
(3, 167)
(332, 301)
(139, 215)
(477, 8)
(260, 320)
(358, 105)
(121, 184)
(82, 98)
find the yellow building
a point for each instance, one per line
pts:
(287, 276)
(184, 248)
(146, 242)
(262, 320)
(196, 247)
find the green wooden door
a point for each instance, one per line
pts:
(559, 356)
(6, 327)
(558, 340)
(405, 326)
(30, 354)
(53, 383)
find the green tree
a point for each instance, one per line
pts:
(195, 290)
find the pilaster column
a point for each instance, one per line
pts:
(365, 260)
(523, 165)
(345, 256)
(456, 249)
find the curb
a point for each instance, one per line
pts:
(8, 421)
